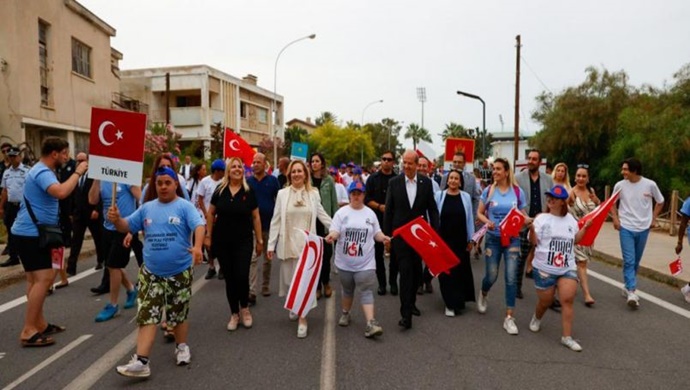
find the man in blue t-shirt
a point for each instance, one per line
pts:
(266, 189)
(40, 206)
(116, 252)
(168, 223)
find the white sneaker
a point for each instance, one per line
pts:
(135, 368)
(481, 303)
(534, 324)
(633, 300)
(344, 319)
(292, 316)
(183, 355)
(450, 312)
(686, 292)
(302, 331)
(510, 326)
(570, 343)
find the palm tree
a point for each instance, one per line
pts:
(325, 117)
(455, 130)
(417, 133)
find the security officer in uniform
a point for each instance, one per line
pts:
(12, 193)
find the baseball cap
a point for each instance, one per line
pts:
(357, 171)
(332, 170)
(218, 165)
(356, 186)
(166, 171)
(343, 166)
(14, 151)
(558, 192)
(351, 164)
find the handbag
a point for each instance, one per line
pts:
(49, 236)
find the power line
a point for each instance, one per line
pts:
(535, 74)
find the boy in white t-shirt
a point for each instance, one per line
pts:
(634, 217)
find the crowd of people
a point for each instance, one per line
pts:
(244, 220)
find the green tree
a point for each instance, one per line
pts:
(384, 135)
(455, 130)
(325, 117)
(416, 133)
(340, 144)
(294, 134)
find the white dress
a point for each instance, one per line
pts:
(296, 217)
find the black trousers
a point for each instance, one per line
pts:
(136, 243)
(79, 226)
(410, 265)
(525, 247)
(11, 210)
(325, 276)
(235, 261)
(379, 251)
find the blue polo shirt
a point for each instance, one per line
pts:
(126, 203)
(44, 206)
(265, 192)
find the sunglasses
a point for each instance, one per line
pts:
(585, 166)
(386, 159)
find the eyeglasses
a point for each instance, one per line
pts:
(386, 159)
(585, 166)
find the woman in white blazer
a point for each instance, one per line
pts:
(456, 228)
(298, 205)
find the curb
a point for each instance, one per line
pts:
(17, 274)
(642, 271)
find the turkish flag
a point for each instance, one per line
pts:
(117, 134)
(300, 299)
(236, 146)
(676, 266)
(419, 235)
(597, 216)
(511, 225)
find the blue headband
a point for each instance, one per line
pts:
(166, 171)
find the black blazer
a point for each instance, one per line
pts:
(398, 211)
(81, 208)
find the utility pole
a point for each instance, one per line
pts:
(517, 100)
(167, 98)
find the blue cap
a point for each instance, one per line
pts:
(166, 171)
(343, 166)
(357, 171)
(356, 186)
(218, 165)
(351, 164)
(558, 192)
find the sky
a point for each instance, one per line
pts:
(370, 50)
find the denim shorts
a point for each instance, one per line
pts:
(544, 280)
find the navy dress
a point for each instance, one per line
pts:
(458, 287)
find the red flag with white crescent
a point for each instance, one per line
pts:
(236, 146)
(419, 235)
(302, 295)
(598, 216)
(511, 225)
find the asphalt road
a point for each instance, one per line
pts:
(645, 349)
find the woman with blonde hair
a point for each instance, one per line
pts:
(232, 219)
(496, 202)
(560, 176)
(298, 206)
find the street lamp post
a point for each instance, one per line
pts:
(361, 154)
(274, 106)
(472, 96)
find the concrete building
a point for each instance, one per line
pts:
(307, 124)
(201, 98)
(504, 146)
(56, 63)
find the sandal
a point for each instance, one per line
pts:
(38, 340)
(61, 285)
(589, 303)
(52, 329)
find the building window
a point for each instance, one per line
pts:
(243, 110)
(43, 62)
(81, 58)
(263, 115)
(188, 101)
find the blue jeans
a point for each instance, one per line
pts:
(632, 246)
(511, 254)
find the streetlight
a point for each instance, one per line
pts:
(421, 96)
(361, 155)
(472, 96)
(275, 97)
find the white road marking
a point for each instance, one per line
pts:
(328, 347)
(48, 361)
(2, 354)
(651, 298)
(89, 377)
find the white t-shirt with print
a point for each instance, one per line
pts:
(635, 208)
(555, 253)
(355, 248)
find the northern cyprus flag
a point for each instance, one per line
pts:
(302, 294)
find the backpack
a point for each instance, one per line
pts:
(516, 189)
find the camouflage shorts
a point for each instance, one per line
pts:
(158, 295)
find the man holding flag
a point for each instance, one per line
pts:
(409, 196)
(634, 217)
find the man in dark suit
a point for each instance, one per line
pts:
(409, 196)
(84, 215)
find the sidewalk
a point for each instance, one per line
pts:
(660, 251)
(9, 275)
